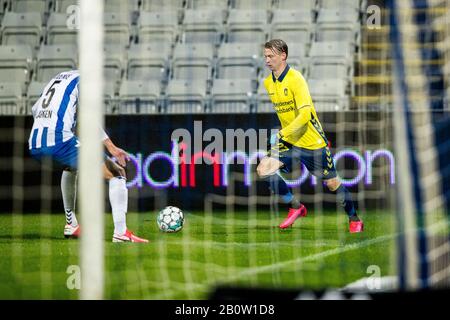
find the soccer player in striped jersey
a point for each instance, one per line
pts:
(301, 139)
(52, 136)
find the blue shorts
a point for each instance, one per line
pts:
(65, 153)
(318, 162)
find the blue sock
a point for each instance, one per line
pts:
(278, 186)
(346, 201)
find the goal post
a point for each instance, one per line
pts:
(90, 174)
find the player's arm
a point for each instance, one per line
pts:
(115, 151)
(303, 103)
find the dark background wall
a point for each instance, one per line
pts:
(37, 184)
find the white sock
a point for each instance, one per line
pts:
(118, 197)
(69, 191)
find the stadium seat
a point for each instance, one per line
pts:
(3, 6)
(121, 6)
(251, 4)
(53, 59)
(331, 52)
(297, 5)
(447, 100)
(247, 26)
(185, 96)
(39, 6)
(149, 61)
(164, 5)
(34, 92)
(337, 25)
(297, 53)
(293, 26)
(117, 28)
(11, 101)
(58, 32)
(231, 96)
(202, 26)
(22, 28)
(115, 62)
(193, 61)
(109, 96)
(324, 71)
(264, 104)
(328, 95)
(16, 64)
(207, 4)
(161, 26)
(239, 60)
(338, 4)
(63, 6)
(139, 97)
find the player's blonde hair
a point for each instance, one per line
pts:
(277, 45)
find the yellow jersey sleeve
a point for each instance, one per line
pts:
(302, 119)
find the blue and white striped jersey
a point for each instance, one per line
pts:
(55, 111)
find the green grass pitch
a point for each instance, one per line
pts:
(240, 249)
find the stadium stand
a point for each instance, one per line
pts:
(231, 96)
(149, 62)
(292, 26)
(34, 92)
(22, 28)
(329, 94)
(53, 59)
(40, 6)
(251, 4)
(159, 27)
(138, 97)
(58, 32)
(193, 61)
(238, 60)
(207, 4)
(204, 41)
(337, 25)
(294, 4)
(203, 25)
(11, 100)
(16, 64)
(247, 26)
(115, 57)
(186, 96)
(63, 5)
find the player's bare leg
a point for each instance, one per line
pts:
(355, 223)
(268, 169)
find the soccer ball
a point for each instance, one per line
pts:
(170, 219)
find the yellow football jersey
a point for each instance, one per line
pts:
(295, 110)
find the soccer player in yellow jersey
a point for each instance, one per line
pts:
(300, 140)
